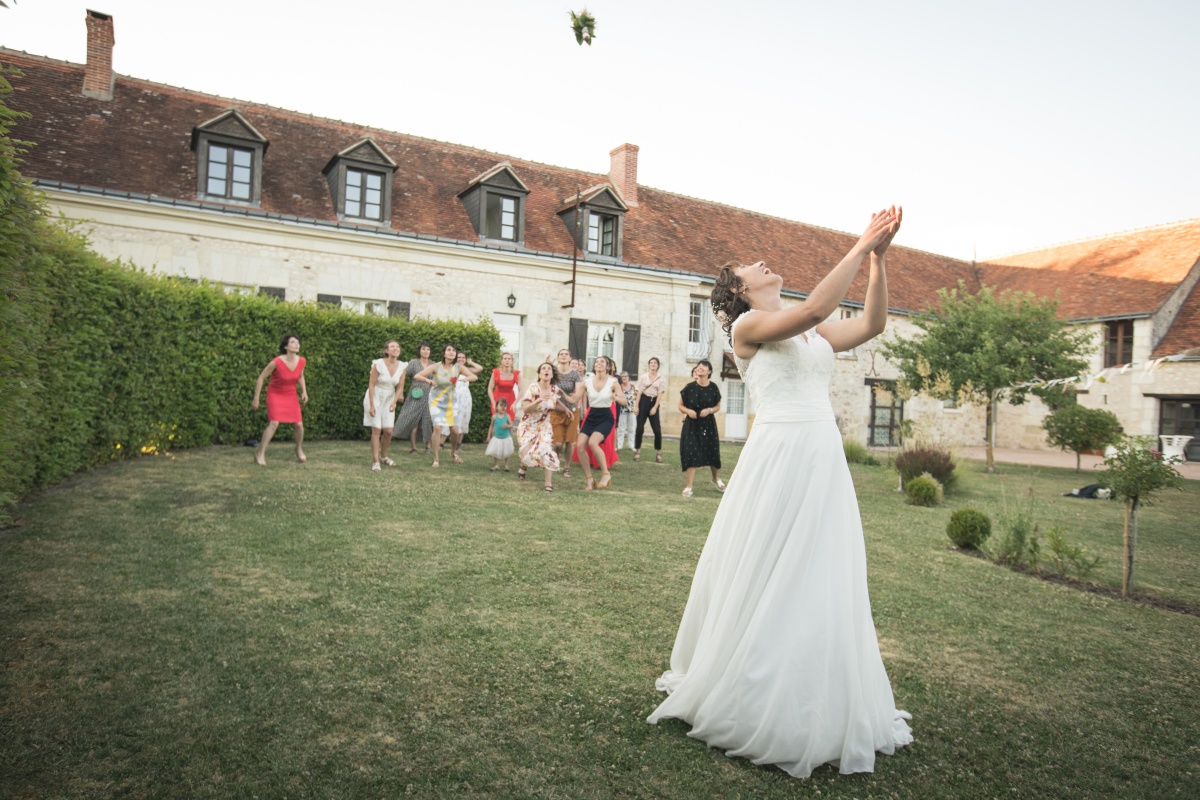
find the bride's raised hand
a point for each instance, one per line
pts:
(879, 229)
(881, 248)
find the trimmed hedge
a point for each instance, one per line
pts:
(99, 361)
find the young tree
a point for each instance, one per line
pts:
(1135, 472)
(980, 348)
(1077, 428)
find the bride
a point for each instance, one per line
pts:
(776, 658)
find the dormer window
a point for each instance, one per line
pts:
(229, 157)
(230, 172)
(598, 216)
(360, 182)
(364, 194)
(495, 203)
(500, 219)
(602, 234)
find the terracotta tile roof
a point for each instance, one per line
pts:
(1162, 254)
(1125, 273)
(1081, 295)
(1184, 333)
(140, 142)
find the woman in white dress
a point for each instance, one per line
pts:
(379, 403)
(776, 659)
(462, 402)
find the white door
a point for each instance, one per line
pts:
(512, 332)
(735, 409)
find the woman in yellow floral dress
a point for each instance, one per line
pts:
(535, 432)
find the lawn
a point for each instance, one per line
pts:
(194, 626)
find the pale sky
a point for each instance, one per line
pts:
(999, 126)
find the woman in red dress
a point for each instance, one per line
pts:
(504, 384)
(285, 372)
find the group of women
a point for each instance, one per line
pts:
(438, 408)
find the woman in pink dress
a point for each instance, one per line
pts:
(286, 371)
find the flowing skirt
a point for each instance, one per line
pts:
(776, 658)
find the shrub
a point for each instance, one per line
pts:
(1067, 558)
(857, 453)
(1018, 547)
(934, 461)
(969, 528)
(923, 490)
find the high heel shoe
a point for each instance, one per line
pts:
(605, 481)
(589, 484)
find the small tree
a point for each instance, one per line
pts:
(981, 348)
(1135, 472)
(1077, 428)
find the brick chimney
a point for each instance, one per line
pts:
(622, 171)
(98, 75)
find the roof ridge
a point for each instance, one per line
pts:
(778, 218)
(306, 115)
(1113, 235)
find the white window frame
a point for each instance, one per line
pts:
(238, 289)
(602, 340)
(365, 307)
(700, 324)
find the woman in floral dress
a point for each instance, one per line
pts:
(536, 434)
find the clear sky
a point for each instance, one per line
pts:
(1000, 126)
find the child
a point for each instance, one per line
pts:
(501, 445)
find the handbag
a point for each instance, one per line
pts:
(417, 394)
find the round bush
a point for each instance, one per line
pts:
(923, 491)
(935, 461)
(969, 528)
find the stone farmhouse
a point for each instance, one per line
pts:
(264, 200)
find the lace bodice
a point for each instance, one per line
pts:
(788, 381)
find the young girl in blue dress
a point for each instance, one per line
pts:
(501, 445)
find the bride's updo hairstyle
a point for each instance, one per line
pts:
(725, 304)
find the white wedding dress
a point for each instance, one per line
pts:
(776, 659)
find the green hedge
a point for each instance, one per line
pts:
(99, 361)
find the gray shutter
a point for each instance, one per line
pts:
(274, 292)
(631, 349)
(329, 300)
(577, 338)
(397, 309)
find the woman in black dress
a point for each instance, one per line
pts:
(699, 443)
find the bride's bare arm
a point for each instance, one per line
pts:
(788, 322)
(846, 334)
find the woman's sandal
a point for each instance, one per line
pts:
(720, 484)
(436, 465)
(388, 461)
(457, 459)
(589, 484)
(637, 455)
(658, 459)
(687, 492)
(566, 472)
(494, 469)
(605, 481)
(412, 451)
(521, 474)
(375, 467)
(549, 489)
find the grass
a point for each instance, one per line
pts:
(192, 626)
